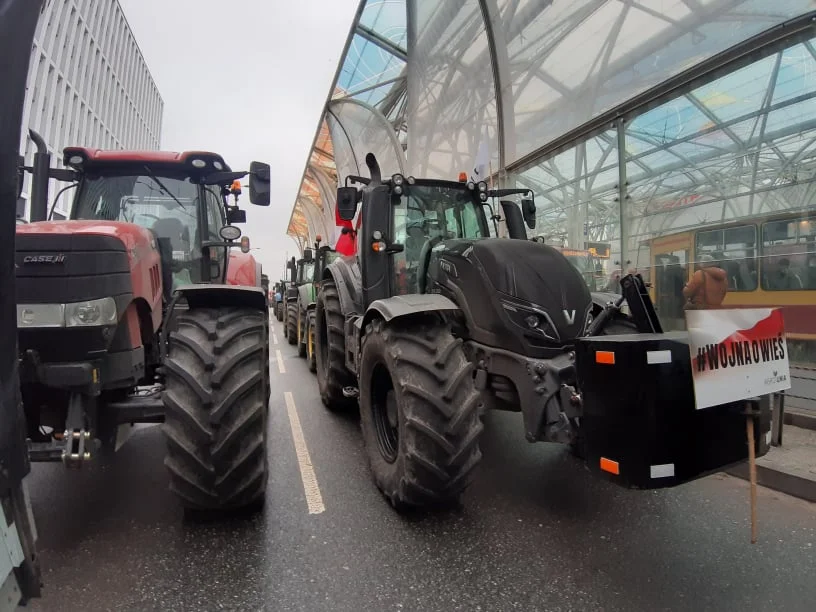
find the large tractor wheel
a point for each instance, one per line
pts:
(302, 339)
(310, 341)
(285, 320)
(330, 349)
(419, 411)
(216, 402)
(279, 311)
(291, 323)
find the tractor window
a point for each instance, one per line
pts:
(305, 272)
(214, 224)
(168, 209)
(426, 215)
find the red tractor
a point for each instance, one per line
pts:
(137, 310)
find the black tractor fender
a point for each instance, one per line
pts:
(215, 296)
(349, 284)
(401, 306)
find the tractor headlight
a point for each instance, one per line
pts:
(397, 180)
(482, 186)
(91, 313)
(531, 319)
(40, 315)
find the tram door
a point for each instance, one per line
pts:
(671, 258)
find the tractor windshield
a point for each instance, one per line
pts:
(167, 205)
(429, 212)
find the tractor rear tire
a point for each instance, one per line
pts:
(330, 349)
(216, 403)
(291, 323)
(310, 341)
(279, 311)
(303, 340)
(284, 318)
(419, 412)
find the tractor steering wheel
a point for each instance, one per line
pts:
(424, 260)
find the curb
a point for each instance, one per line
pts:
(799, 419)
(789, 484)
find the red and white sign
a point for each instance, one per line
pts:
(737, 354)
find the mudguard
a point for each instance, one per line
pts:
(345, 272)
(406, 305)
(214, 296)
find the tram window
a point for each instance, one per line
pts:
(733, 250)
(787, 252)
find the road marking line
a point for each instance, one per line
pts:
(279, 357)
(310, 487)
(274, 338)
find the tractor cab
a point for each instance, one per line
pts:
(182, 199)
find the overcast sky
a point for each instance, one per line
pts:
(246, 79)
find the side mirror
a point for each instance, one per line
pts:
(347, 198)
(528, 211)
(308, 254)
(236, 215)
(292, 265)
(259, 183)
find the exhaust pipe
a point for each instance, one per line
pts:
(39, 179)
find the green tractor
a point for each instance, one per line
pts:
(321, 257)
(301, 271)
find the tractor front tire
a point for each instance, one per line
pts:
(310, 341)
(216, 403)
(419, 412)
(279, 311)
(291, 323)
(330, 349)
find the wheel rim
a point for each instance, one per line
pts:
(385, 413)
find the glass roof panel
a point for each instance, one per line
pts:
(388, 19)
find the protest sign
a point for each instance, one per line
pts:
(737, 354)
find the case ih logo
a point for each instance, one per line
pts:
(45, 259)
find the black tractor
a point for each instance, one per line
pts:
(432, 322)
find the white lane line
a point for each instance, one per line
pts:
(274, 338)
(313, 498)
(279, 357)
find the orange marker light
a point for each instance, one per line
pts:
(605, 357)
(607, 465)
(463, 177)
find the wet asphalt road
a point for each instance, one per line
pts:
(536, 532)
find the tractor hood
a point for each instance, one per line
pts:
(532, 272)
(127, 236)
(507, 283)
